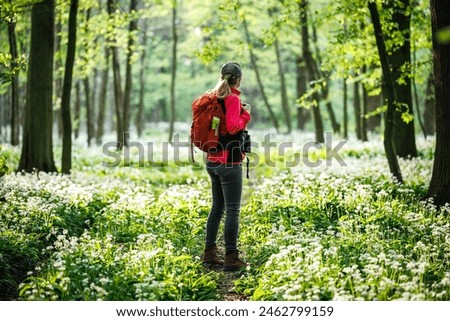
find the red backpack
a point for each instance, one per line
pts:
(208, 122)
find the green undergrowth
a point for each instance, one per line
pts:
(339, 232)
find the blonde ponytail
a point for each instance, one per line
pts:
(222, 88)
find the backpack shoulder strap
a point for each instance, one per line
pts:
(222, 104)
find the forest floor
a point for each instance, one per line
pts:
(227, 291)
(131, 232)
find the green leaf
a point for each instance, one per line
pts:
(407, 117)
(443, 35)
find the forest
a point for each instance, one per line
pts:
(348, 192)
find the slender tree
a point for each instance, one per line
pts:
(389, 145)
(128, 74)
(281, 74)
(58, 78)
(325, 76)
(77, 110)
(102, 99)
(365, 102)
(429, 114)
(345, 104)
(357, 108)
(273, 118)
(439, 187)
(37, 144)
(140, 114)
(88, 101)
(303, 114)
(328, 105)
(416, 95)
(118, 93)
(310, 68)
(2, 97)
(89, 109)
(66, 161)
(15, 123)
(174, 69)
(283, 89)
(373, 102)
(94, 100)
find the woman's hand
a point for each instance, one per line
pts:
(247, 107)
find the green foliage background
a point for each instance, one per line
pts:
(211, 33)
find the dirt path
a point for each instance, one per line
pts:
(226, 288)
(225, 285)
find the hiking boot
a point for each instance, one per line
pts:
(232, 262)
(210, 256)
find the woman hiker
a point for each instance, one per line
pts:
(225, 169)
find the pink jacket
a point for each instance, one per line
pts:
(236, 120)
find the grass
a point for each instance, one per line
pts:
(309, 233)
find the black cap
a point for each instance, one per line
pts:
(232, 68)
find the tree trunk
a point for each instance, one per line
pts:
(258, 76)
(94, 101)
(325, 88)
(58, 79)
(389, 145)
(66, 161)
(88, 101)
(417, 104)
(2, 103)
(357, 109)
(102, 100)
(345, 121)
(303, 114)
(334, 123)
(174, 69)
(439, 188)
(373, 102)
(429, 114)
(310, 67)
(163, 114)
(365, 103)
(284, 99)
(111, 119)
(89, 111)
(37, 145)
(77, 112)
(416, 95)
(15, 120)
(118, 94)
(404, 136)
(142, 70)
(365, 108)
(128, 76)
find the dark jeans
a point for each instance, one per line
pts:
(226, 183)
